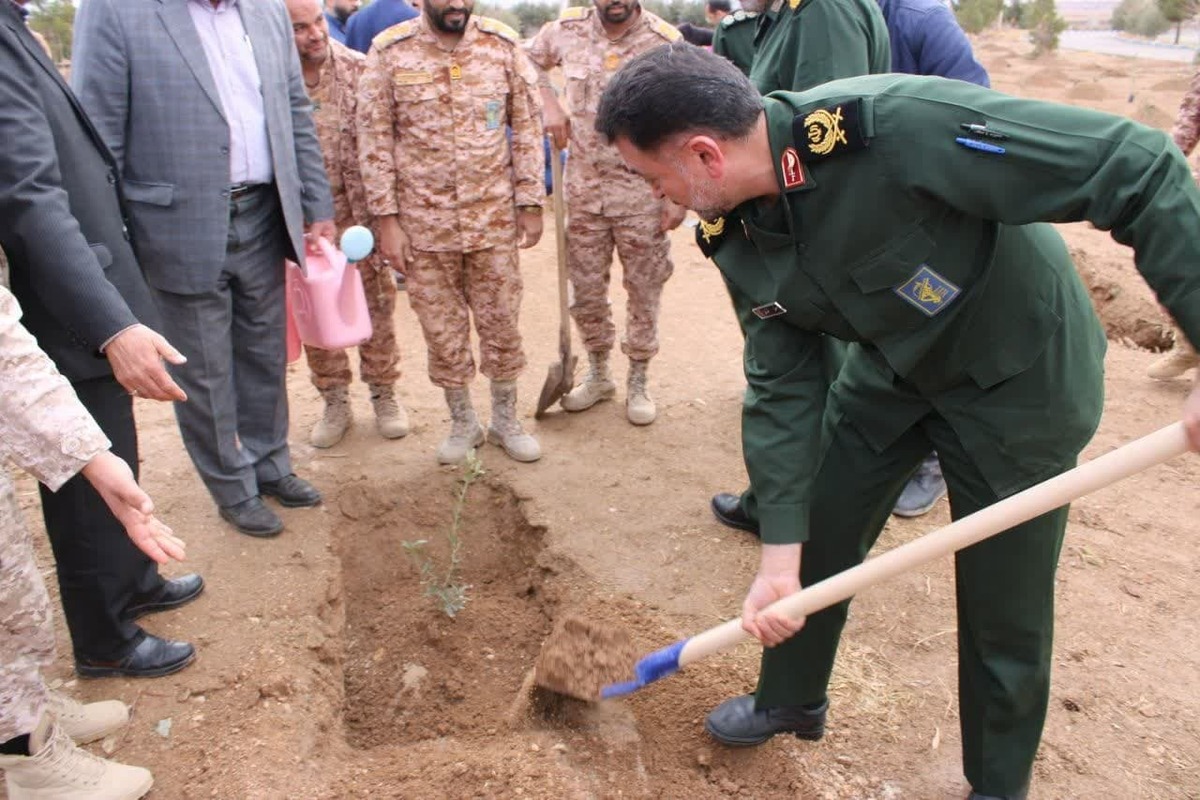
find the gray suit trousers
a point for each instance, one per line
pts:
(235, 421)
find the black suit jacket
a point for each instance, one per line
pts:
(71, 264)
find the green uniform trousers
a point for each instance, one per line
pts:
(1004, 586)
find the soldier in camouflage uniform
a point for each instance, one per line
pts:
(331, 73)
(608, 205)
(46, 430)
(1186, 134)
(454, 200)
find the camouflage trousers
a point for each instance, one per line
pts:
(446, 290)
(379, 357)
(26, 633)
(646, 265)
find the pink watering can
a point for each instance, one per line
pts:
(327, 307)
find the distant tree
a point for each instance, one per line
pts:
(1178, 12)
(1012, 13)
(1140, 17)
(497, 12)
(54, 19)
(975, 15)
(533, 15)
(1044, 25)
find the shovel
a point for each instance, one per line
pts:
(561, 375)
(1127, 460)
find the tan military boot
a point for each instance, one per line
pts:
(639, 406)
(334, 423)
(465, 431)
(58, 770)
(391, 420)
(505, 429)
(87, 722)
(1179, 360)
(597, 385)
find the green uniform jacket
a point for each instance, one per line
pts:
(733, 39)
(804, 43)
(891, 233)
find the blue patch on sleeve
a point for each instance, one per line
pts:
(928, 291)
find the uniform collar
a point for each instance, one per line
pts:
(791, 173)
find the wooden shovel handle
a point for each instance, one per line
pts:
(560, 241)
(1071, 485)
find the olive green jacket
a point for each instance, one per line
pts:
(803, 43)
(892, 233)
(733, 38)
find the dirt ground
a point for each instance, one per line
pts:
(325, 672)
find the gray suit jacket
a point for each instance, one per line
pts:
(139, 69)
(72, 267)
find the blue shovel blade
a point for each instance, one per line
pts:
(658, 664)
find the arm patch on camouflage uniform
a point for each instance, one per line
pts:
(495, 26)
(396, 33)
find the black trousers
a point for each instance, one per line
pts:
(100, 571)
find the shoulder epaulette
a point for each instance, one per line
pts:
(664, 29)
(396, 33)
(495, 26)
(738, 16)
(575, 12)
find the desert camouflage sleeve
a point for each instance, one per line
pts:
(355, 193)
(1187, 123)
(44, 429)
(543, 51)
(525, 116)
(376, 122)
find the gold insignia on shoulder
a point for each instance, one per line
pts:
(575, 12)
(794, 4)
(489, 25)
(712, 230)
(665, 29)
(394, 34)
(824, 129)
(455, 72)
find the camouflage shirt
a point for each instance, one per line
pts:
(432, 134)
(1187, 123)
(44, 429)
(334, 100)
(597, 181)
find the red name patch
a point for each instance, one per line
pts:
(789, 163)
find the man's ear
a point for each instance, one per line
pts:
(707, 151)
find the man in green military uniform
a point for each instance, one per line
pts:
(800, 44)
(733, 38)
(899, 212)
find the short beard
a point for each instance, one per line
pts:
(754, 6)
(632, 9)
(439, 21)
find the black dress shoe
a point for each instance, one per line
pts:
(736, 723)
(727, 508)
(253, 518)
(290, 491)
(174, 593)
(152, 658)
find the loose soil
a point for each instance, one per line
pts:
(326, 672)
